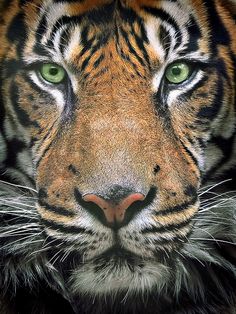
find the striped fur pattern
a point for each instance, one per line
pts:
(115, 125)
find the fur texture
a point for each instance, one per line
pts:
(116, 128)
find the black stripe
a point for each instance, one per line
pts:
(98, 61)
(143, 32)
(190, 154)
(44, 152)
(53, 225)
(127, 59)
(190, 191)
(102, 40)
(62, 22)
(101, 15)
(194, 35)
(42, 29)
(131, 48)
(14, 147)
(177, 208)
(222, 70)
(99, 73)
(159, 99)
(189, 93)
(22, 115)
(127, 14)
(140, 43)
(11, 67)
(42, 50)
(64, 41)
(70, 102)
(23, 3)
(6, 4)
(2, 108)
(167, 228)
(227, 147)
(16, 30)
(33, 85)
(211, 111)
(87, 44)
(219, 34)
(44, 138)
(120, 50)
(85, 63)
(165, 39)
(159, 13)
(57, 210)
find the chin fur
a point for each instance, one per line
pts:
(201, 275)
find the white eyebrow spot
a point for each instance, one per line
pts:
(73, 43)
(152, 27)
(156, 82)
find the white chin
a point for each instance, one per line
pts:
(113, 277)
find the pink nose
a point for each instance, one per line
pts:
(114, 212)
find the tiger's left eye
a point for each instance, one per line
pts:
(178, 72)
(52, 73)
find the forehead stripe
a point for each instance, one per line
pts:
(159, 13)
(219, 34)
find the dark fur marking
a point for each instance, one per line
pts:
(55, 209)
(177, 208)
(156, 169)
(190, 191)
(65, 229)
(167, 228)
(73, 169)
(165, 17)
(195, 34)
(21, 113)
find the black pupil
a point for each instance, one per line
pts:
(53, 71)
(176, 71)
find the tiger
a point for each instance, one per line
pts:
(117, 156)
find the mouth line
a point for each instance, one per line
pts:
(119, 254)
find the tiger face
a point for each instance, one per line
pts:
(119, 105)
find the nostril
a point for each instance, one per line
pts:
(139, 205)
(99, 201)
(106, 204)
(115, 211)
(129, 200)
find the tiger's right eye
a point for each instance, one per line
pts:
(52, 73)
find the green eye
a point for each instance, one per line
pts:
(178, 72)
(52, 73)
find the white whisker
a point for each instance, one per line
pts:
(18, 186)
(215, 240)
